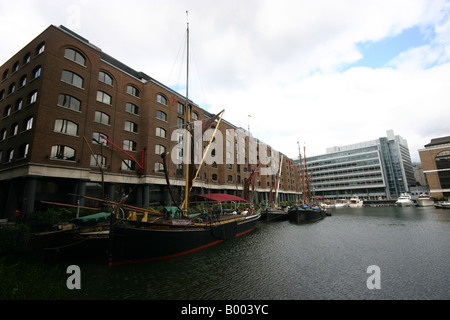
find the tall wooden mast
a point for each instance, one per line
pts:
(188, 127)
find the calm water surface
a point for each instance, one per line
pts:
(287, 261)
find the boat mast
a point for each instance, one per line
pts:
(188, 125)
(302, 173)
(307, 177)
(278, 181)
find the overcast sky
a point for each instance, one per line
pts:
(320, 72)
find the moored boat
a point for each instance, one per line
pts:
(138, 240)
(355, 202)
(79, 237)
(182, 230)
(273, 214)
(306, 213)
(424, 200)
(334, 204)
(442, 205)
(404, 200)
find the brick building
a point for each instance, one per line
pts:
(76, 122)
(435, 159)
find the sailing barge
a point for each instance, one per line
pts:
(306, 212)
(175, 235)
(182, 231)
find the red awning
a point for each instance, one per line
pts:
(221, 197)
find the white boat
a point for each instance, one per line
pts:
(425, 200)
(443, 205)
(327, 205)
(404, 200)
(341, 204)
(355, 202)
(334, 204)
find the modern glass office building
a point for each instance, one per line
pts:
(371, 170)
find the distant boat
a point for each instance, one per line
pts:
(273, 214)
(404, 200)
(425, 200)
(443, 205)
(341, 204)
(306, 213)
(355, 202)
(334, 204)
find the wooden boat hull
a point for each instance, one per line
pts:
(306, 214)
(136, 242)
(273, 215)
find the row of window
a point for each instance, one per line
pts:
(354, 184)
(27, 125)
(32, 98)
(22, 82)
(26, 59)
(9, 155)
(375, 175)
(78, 81)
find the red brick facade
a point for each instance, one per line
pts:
(47, 139)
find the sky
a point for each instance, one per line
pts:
(317, 74)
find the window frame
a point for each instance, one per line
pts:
(76, 54)
(58, 152)
(162, 99)
(133, 90)
(105, 75)
(102, 114)
(70, 105)
(132, 108)
(158, 132)
(101, 95)
(159, 112)
(74, 78)
(129, 145)
(32, 97)
(160, 149)
(130, 126)
(67, 127)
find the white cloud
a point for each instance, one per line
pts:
(284, 62)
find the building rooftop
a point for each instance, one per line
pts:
(438, 141)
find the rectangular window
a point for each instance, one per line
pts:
(131, 126)
(100, 138)
(129, 145)
(132, 108)
(128, 165)
(105, 78)
(160, 132)
(180, 123)
(69, 102)
(98, 160)
(133, 91)
(62, 153)
(102, 117)
(180, 108)
(103, 97)
(161, 115)
(75, 56)
(33, 97)
(72, 78)
(66, 126)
